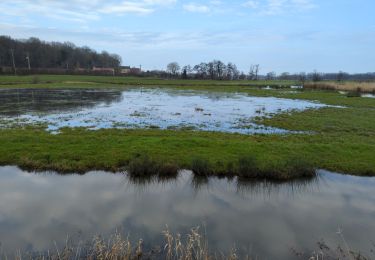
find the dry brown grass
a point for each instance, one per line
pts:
(193, 246)
(365, 87)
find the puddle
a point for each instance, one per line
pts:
(368, 95)
(263, 218)
(145, 108)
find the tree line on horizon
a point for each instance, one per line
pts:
(218, 70)
(53, 57)
(33, 53)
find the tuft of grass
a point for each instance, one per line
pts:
(247, 167)
(145, 166)
(299, 167)
(168, 170)
(35, 80)
(142, 165)
(201, 167)
(354, 94)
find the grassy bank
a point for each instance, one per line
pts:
(340, 139)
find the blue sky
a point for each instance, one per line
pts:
(280, 35)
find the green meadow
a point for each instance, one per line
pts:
(339, 138)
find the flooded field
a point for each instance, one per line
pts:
(144, 108)
(263, 219)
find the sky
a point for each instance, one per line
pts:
(280, 35)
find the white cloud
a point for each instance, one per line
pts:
(127, 7)
(274, 7)
(251, 4)
(196, 8)
(138, 7)
(78, 10)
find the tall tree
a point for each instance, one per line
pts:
(173, 68)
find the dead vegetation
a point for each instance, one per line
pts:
(193, 246)
(350, 86)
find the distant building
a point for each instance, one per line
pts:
(104, 70)
(135, 71)
(127, 70)
(124, 70)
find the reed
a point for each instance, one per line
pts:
(353, 86)
(193, 246)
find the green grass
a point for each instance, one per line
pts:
(74, 79)
(340, 139)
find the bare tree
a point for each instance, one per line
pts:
(257, 68)
(271, 75)
(284, 76)
(302, 78)
(201, 70)
(13, 61)
(254, 71)
(316, 76)
(232, 72)
(173, 68)
(219, 68)
(340, 76)
(186, 70)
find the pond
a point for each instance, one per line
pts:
(261, 218)
(144, 108)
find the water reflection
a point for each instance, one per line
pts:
(267, 218)
(145, 108)
(15, 102)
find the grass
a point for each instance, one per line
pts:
(340, 139)
(192, 246)
(134, 81)
(143, 166)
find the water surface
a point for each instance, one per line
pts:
(265, 219)
(145, 108)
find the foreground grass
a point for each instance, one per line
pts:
(276, 156)
(339, 139)
(193, 246)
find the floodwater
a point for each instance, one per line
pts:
(259, 218)
(368, 95)
(144, 108)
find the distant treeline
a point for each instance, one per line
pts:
(218, 70)
(33, 56)
(36, 54)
